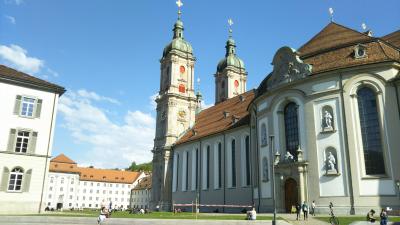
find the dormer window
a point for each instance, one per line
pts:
(360, 51)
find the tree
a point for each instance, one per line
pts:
(141, 167)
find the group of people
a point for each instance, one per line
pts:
(305, 209)
(383, 216)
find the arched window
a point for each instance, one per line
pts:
(370, 131)
(15, 182)
(291, 128)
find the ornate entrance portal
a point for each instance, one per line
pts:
(291, 194)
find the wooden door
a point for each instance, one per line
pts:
(291, 194)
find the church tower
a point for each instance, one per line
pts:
(231, 76)
(176, 109)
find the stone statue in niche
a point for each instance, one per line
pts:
(330, 164)
(327, 119)
(265, 170)
(288, 157)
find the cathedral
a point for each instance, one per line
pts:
(322, 126)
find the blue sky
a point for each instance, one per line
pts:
(106, 53)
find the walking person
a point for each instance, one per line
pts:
(384, 217)
(305, 210)
(313, 208)
(298, 209)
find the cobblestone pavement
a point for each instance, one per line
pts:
(43, 220)
(291, 218)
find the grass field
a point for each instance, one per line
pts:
(156, 215)
(346, 220)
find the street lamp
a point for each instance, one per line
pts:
(274, 162)
(398, 186)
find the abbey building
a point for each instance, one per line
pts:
(326, 116)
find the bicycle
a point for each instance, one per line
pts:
(333, 220)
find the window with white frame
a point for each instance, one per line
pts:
(27, 106)
(22, 141)
(15, 181)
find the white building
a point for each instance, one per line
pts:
(141, 194)
(326, 118)
(70, 186)
(28, 114)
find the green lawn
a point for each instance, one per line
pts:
(156, 215)
(346, 220)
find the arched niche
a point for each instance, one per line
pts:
(327, 119)
(331, 162)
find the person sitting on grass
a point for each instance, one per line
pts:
(370, 216)
(103, 215)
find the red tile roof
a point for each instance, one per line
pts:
(63, 164)
(332, 36)
(216, 119)
(393, 38)
(62, 159)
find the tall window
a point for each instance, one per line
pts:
(22, 141)
(247, 148)
(15, 182)
(291, 128)
(370, 131)
(233, 163)
(27, 106)
(197, 168)
(187, 171)
(219, 165)
(177, 171)
(208, 167)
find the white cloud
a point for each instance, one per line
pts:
(111, 144)
(93, 96)
(11, 19)
(18, 57)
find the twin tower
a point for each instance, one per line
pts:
(177, 104)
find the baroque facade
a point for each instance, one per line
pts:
(327, 118)
(28, 115)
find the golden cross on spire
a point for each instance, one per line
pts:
(331, 13)
(179, 4)
(230, 22)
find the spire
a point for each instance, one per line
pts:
(199, 97)
(178, 27)
(230, 44)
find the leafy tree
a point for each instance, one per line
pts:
(141, 167)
